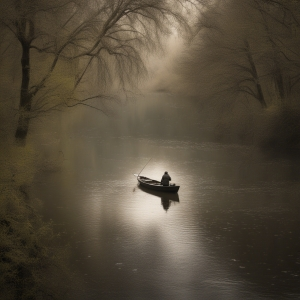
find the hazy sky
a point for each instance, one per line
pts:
(162, 66)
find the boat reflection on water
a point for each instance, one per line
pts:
(166, 198)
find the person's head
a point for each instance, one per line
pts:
(166, 172)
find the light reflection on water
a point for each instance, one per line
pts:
(231, 234)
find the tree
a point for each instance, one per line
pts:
(249, 50)
(225, 53)
(280, 19)
(109, 38)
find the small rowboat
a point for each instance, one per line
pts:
(165, 197)
(156, 185)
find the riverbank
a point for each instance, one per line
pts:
(34, 258)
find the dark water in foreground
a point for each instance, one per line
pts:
(233, 232)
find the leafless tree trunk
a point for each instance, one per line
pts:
(25, 34)
(259, 95)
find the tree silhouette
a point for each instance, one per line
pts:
(247, 50)
(74, 51)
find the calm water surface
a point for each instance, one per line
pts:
(232, 233)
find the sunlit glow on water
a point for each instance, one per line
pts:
(232, 235)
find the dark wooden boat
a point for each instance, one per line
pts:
(174, 197)
(156, 185)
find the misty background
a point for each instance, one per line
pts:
(91, 90)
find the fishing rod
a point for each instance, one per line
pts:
(145, 166)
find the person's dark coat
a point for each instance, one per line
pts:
(165, 180)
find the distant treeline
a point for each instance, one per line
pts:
(245, 60)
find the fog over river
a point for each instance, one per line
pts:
(232, 232)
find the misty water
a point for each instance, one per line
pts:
(232, 232)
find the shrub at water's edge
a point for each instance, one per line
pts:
(30, 259)
(283, 130)
(33, 257)
(275, 129)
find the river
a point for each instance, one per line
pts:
(232, 232)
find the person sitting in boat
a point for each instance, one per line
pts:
(165, 180)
